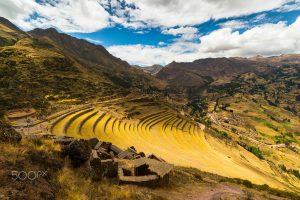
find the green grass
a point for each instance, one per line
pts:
(284, 139)
(290, 171)
(287, 123)
(271, 126)
(258, 119)
(256, 151)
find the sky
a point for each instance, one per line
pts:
(147, 32)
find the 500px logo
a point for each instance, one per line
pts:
(23, 175)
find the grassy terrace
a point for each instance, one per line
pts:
(174, 138)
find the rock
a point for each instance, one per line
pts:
(132, 147)
(63, 141)
(8, 134)
(79, 152)
(109, 168)
(112, 154)
(95, 163)
(115, 149)
(64, 152)
(93, 142)
(129, 153)
(152, 156)
(103, 155)
(104, 145)
(142, 154)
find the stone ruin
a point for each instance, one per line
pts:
(105, 159)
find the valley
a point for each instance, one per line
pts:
(231, 119)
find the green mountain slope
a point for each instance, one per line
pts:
(46, 66)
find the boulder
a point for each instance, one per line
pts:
(79, 152)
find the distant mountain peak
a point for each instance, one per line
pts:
(153, 70)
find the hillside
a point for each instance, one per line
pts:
(9, 33)
(52, 67)
(229, 125)
(202, 72)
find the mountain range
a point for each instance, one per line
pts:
(219, 115)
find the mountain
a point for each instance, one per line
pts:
(96, 57)
(9, 33)
(285, 59)
(46, 66)
(237, 119)
(82, 49)
(210, 67)
(217, 71)
(153, 70)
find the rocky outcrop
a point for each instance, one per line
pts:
(107, 160)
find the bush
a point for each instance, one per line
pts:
(271, 126)
(247, 183)
(295, 173)
(256, 151)
(284, 139)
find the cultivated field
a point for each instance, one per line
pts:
(175, 138)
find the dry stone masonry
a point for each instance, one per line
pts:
(106, 160)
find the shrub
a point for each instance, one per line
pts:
(256, 151)
(295, 173)
(271, 126)
(284, 139)
(247, 183)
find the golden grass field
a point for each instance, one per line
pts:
(175, 139)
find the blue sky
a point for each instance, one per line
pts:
(150, 32)
(119, 35)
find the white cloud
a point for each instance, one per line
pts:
(93, 41)
(171, 13)
(161, 43)
(180, 31)
(146, 55)
(234, 24)
(90, 15)
(290, 7)
(66, 15)
(185, 33)
(259, 18)
(268, 39)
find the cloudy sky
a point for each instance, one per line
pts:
(147, 32)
